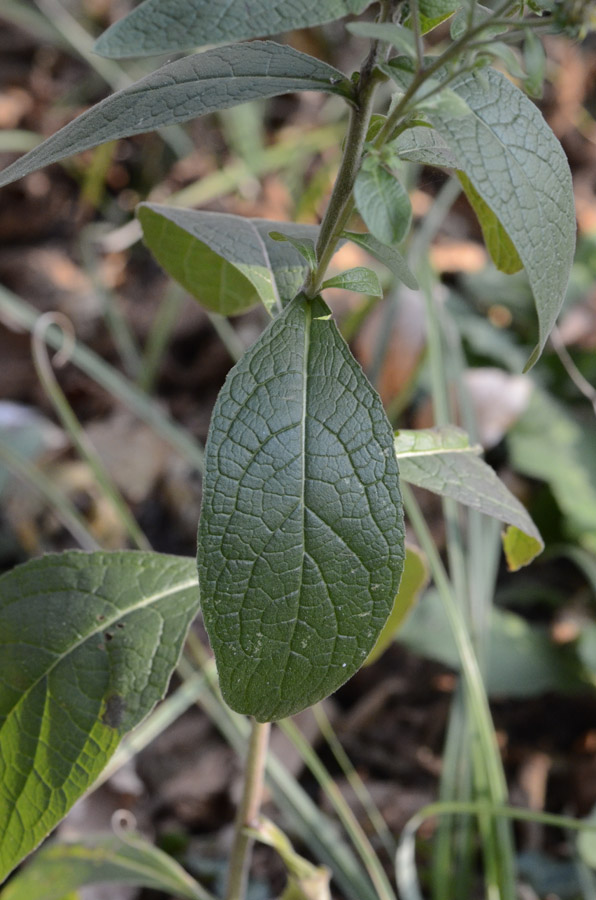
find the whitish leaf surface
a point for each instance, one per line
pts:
(413, 580)
(442, 460)
(426, 146)
(389, 256)
(518, 168)
(61, 868)
(301, 530)
(87, 645)
(383, 203)
(158, 27)
(228, 263)
(397, 35)
(358, 279)
(183, 90)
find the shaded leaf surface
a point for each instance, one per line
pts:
(87, 645)
(520, 171)
(183, 90)
(389, 256)
(301, 530)
(156, 27)
(442, 460)
(383, 203)
(228, 263)
(64, 867)
(498, 243)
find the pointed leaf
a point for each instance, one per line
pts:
(301, 529)
(182, 24)
(498, 243)
(87, 645)
(413, 580)
(520, 548)
(104, 858)
(389, 256)
(304, 246)
(433, 12)
(442, 460)
(399, 37)
(228, 263)
(358, 279)
(183, 90)
(383, 203)
(426, 146)
(518, 168)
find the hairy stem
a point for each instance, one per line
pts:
(248, 810)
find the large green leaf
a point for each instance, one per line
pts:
(443, 461)
(301, 531)
(87, 645)
(61, 868)
(183, 90)
(227, 262)
(158, 27)
(518, 168)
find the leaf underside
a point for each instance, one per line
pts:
(87, 645)
(155, 27)
(301, 530)
(184, 90)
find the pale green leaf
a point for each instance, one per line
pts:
(389, 256)
(518, 168)
(305, 880)
(462, 21)
(425, 146)
(155, 27)
(301, 529)
(498, 243)
(87, 645)
(520, 548)
(399, 37)
(442, 460)
(413, 580)
(358, 279)
(183, 90)
(383, 203)
(228, 263)
(103, 858)
(304, 246)
(433, 12)
(535, 63)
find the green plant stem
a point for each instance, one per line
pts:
(248, 810)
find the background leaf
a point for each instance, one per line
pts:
(389, 256)
(152, 28)
(383, 203)
(228, 263)
(529, 192)
(63, 867)
(433, 12)
(183, 90)
(87, 645)
(301, 530)
(442, 460)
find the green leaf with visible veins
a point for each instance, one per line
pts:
(228, 263)
(517, 166)
(301, 540)
(383, 203)
(158, 27)
(103, 858)
(183, 90)
(498, 243)
(360, 279)
(443, 461)
(389, 256)
(88, 642)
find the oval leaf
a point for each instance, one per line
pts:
(64, 867)
(228, 263)
(153, 28)
(360, 279)
(183, 90)
(301, 530)
(383, 203)
(528, 189)
(87, 645)
(389, 256)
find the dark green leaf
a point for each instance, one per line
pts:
(383, 203)
(360, 279)
(228, 263)
(61, 868)
(304, 246)
(498, 243)
(183, 90)
(301, 530)
(518, 168)
(156, 27)
(389, 256)
(442, 460)
(87, 645)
